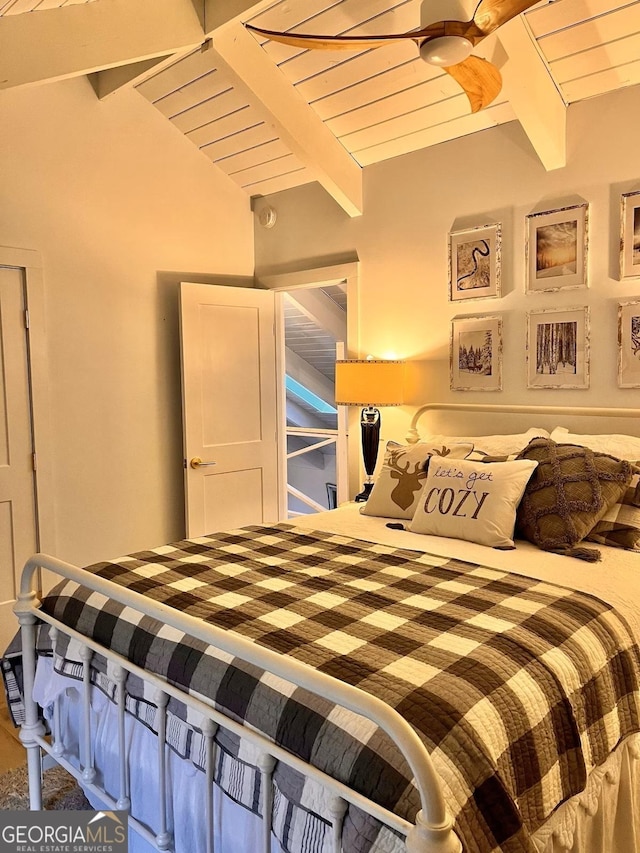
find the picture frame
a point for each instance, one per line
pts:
(557, 248)
(475, 354)
(558, 348)
(475, 260)
(629, 344)
(630, 235)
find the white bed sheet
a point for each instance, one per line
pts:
(605, 818)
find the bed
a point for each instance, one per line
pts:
(333, 683)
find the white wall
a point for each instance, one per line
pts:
(411, 204)
(121, 207)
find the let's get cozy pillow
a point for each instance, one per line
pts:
(476, 501)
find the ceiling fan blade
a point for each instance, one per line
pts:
(307, 40)
(480, 80)
(491, 14)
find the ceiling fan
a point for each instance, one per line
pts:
(446, 43)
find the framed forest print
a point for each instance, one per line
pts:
(558, 348)
(475, 358)
(556, 249)
(474, 263)
(629, 344)
(630, 235)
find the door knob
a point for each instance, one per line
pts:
(196, 462)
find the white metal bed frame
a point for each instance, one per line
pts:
(432, 831)
(515, 409)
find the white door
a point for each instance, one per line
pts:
(229, 385)
(18, 536)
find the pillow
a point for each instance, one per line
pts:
(397, 487)
(621, 446)
(493, 445)
(571, 490)
(619, 527)
(469, 500)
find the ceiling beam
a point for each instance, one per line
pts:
(125, 76)
(306, 374)
(291, 117)
(216, 14)
(322, 310)
(533, 96)
(54, 44)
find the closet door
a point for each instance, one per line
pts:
(229, 385)
(18, 534)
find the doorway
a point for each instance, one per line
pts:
(316, 328)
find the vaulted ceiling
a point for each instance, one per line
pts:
(273, 117)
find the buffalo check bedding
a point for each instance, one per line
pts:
(518, 687)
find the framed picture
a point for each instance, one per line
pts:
(630, 235)
(556, 249)
(629, 344)
(474, 263)
(475, 356)
(558, 348)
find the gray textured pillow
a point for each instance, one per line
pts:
(397, 487)
(570, 491)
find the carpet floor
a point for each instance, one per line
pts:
(60, 791)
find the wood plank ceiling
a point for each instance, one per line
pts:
(305, 335)
(386, 102)
(199, 95)
(273, 117)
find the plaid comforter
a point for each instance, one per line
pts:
(518, 687)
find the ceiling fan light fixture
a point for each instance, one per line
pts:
(446, 50)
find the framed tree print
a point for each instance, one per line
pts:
(630, 235)
(558, 348)
(474, 263)
(475, 357)
(556, 249)
(629, 344)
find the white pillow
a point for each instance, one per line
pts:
(397, 487)
(476, 501)
(493, 445)
(621, 446)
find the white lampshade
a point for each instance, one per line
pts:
(369, 382)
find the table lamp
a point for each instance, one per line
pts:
(369, 383)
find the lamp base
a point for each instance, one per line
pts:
(364, 494)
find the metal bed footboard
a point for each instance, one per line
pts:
(432, 831)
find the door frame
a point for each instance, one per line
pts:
(280, 283)
(30, 264)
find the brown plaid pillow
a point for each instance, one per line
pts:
(569, 492)
(619, 527)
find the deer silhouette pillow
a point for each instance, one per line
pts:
(399, 483)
